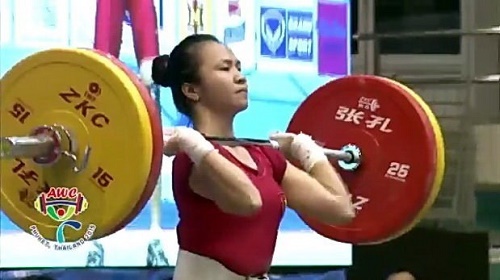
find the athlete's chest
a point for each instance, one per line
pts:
(259, 170)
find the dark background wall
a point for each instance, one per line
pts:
(428, 254)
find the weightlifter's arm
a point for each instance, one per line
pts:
(319, 191)
(219, 180)
(319, 194)
(213, 176)
(328, 177)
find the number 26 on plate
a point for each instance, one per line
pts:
(398, 171)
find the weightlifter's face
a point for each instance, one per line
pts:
(223, 87)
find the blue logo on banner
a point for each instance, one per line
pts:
(300, 27)
(273, 32)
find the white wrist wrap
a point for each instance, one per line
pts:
(193, 144)
(305, 150)
(199, 151)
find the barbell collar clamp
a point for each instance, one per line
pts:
(353, 161)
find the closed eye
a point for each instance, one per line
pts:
(228, 63)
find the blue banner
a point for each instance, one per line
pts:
(273, 32)
(286, 34)
(300, 27)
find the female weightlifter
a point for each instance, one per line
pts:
(231, 199)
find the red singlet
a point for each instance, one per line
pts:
(244, 245)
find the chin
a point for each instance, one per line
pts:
(244, 105)
(240, 107)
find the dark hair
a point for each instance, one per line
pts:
(180, 67)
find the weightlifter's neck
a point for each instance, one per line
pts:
(212, 124)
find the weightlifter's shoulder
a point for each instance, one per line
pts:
(187, 178)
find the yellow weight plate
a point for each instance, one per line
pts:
(440, 167)
(102, 108)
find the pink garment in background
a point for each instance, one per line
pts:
(108, 27)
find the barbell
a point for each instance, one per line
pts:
(81, 146)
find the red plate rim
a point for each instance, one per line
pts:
(157, 131)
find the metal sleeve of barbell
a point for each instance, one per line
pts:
(330, 153)
(492, 31)
(339, 155)
(25, 146)
(446, 79)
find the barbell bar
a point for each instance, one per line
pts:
(89, 141)
(26, 146)
(492, 31)
(43, 145)
(349, 155)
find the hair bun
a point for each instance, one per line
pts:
(159, 70)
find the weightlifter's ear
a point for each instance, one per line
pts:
(190, 91)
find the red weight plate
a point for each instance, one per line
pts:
(157, 131)
(399, 153)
